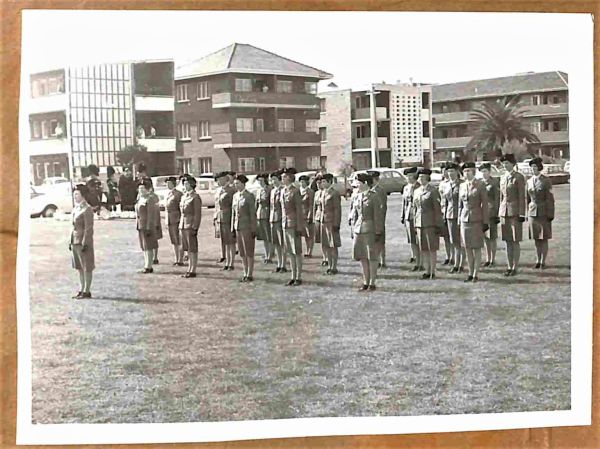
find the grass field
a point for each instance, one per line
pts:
(159, 348)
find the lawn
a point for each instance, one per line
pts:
(159, 348)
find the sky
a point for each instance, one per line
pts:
(358, 48)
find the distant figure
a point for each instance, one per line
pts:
(82, 240)
(191, 217)
(141, 171)
(127, 190)
(94, 186)
(140, 133)
(112, 190)
(152, 132)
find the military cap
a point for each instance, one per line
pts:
(485, 166)
(538, 162)
(241, 178)
(424, 171)
(508, 158)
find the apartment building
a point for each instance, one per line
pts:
(388, 125)
(245, 109)
(545, 103)
(87, 115)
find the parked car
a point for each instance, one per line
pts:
(51, 183)
(205, 186)
(567, 167)
(47, 204)
(391, 179)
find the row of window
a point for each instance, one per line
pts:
(534, 100)
(96, 115)
(242, 85)
(50, 85)
(43, 170)
(100, 86)
(46, 129)
(247, 164)
(109, 101)
(245, 125)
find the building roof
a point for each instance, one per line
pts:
(494, 87)
(244, 58)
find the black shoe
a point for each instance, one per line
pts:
(277, 270)
(453, 270)
(382, 265)
(475, 279)
(421, 268)
(372, 288)
(469, 278)
(290, 282)
(265, 261)
(538, 265)
(513, 272)
(155, 262)
(324, 263)
(77, 296)
(249, 278)
(180, 264)
(507, 273)
(363, 288)
(244, 279)
(446, 261)
(221, 260)
(146, 271)
(328, 271)
(432, 276)
(297, 282)
(283, 270)
(308, 256)
(415, 268)
(87, 295)
(426, 276)
(543, 266)
(186, 258)
(231, 268)
(412, 260)
(487, 264)
(333, 271)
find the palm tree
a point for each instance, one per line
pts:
(497, 123)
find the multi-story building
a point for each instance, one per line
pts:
(248, 110)
(388, 125)
(546, 112)
(87, 115)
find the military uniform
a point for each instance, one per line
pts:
(275, 216)
(318, 214)
(159, 234)
(407, 212)
(82, 234)
(173, 215)
(450, 210)
(222, 214)
(263, 205)
(243, 222)
(473, 213)
(191, 216)
(380, 244)
(145, 212)
(492, 187)
(428, 217)
(331, 217)
(540, 207)
(292, 219)
(367, 225)
(308, 207)
(512, 206)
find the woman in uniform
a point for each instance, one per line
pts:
(512, 212)
(540, 201)
(173, 217)
(243, 225)
(493, 193)
(159, 234)
(275, 221)
(292, 222)
(442, 188)
(145, 212)
(428, 221)
(474, 218)
(191, 216)
(367, 228)
(407, 216)
(450, 215)
(308, 206)
(82, 241)
(222, 219)
(263, 205)
(112, 191)
(318, 214)
(331, 217)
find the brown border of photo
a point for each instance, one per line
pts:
(10, 54)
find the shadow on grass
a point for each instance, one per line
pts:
(133, 300)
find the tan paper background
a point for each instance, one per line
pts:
(10, 48)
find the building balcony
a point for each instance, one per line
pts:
(265, 100)
(451, 142)
(365, 143)
(452, 118)
(53, 145)
(364, 114)
(158, 144)
(553, 137)
(265, 139)
(549, 110)
(48, 103)
(154, 103)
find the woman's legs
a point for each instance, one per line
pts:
(488, 250)
(373, 265)
(334, 258)
(509, 254)
(148, 258)
(448, 248)
(294, 263)
(538, 250)
(310, 243)
(477, 261)
(298, 257)
(192, 262)
(416, 253)
(229, 255)
(494, 247)
(155, 255)
(88, 281)
(81, 280)
(544, 252)
(366, 269)
(516, 255)
(471, 260)
(432, 262)
(268, 250)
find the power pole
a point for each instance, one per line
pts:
(373, 114)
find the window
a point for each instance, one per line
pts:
(425, 100)
(184, 165)
(53, 125)
(425, 128)
(244, 125)
(287, 161)
(202, 90)
(36, 129)
(536, 127)
(362, 131)
(310, 87)
(260, 125)
(445, 108)
(285, 125)
(362, 102)
(323, 105)
(312, 126)
(183, 131)
(284, 86)
(57, 169)
(203, 129)
(45, 130)
(323, 161)
(312, 162)
(243, 85)
(261, 164)
(205, 164)
(38, 170)
(245, 164)
(323, 133)
(182, 93)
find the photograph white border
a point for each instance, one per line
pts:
(581, 136)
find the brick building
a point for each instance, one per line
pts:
(248, 110)
(545, 98)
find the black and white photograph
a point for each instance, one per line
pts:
(257, 224)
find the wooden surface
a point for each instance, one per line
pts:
(10, 29)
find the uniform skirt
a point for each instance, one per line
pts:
(363, 247)
(245, 243)
(411, 232)
(309, 231)
(263, 230)
(318, 226)
(148, 242)
(329, 238)
(189, 240)
(83, 260)
(512, 229)
(174, 234)
(277, 233)
(225, 233)
(429, 238)
(540, 228)
(471, 235)
(159, 234)
(292, 242)
(453, 227)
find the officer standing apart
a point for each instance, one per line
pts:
(512, 212)
(380, 245)
(540, 210)
(145, 212)
(243, 225)
(292, 221)
(331, 217)
(449, 260)
(173, 216)
(191, 216)
(81, 243)
(222, 219)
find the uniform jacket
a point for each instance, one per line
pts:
(473, 202)
(442, 189)
(127, 190)
(145, 213)
(512, 195)
(451, 192)
(367, 213)
(292, 215)
(172, 202)
(407, 210)
(492, 186)
(428, 211)
(331, 207)
(540, 197)
(243, 212)
(382, 196)
(275, 212)
(263, 203)
(223, 200)
(83, 225)
(308, 203)
(318, 206)
(156, 200)
(191, 211)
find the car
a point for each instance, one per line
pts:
(53, 182)
(47, 204)
(392, 180)
(567, 167)
(205, 186)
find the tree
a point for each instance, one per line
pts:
(497, 123)
(132, 155)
